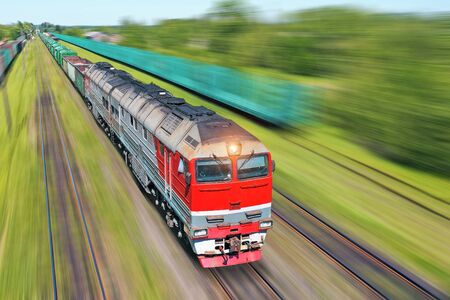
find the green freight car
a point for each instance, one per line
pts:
(75, 68)
(275, 101)
(62, 53)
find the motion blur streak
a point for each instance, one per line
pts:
(372, 161)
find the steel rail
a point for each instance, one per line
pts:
(77, 196)
(382, 185)
(390, 176)
(356, 246)
(222, 283)
(79, 203)
(330, 256)
(47, 201)
(267, 283)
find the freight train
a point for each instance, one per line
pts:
(211, 179)
(8, 51)
(279, 102)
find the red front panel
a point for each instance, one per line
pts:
(223, 231)
(230, 259)
(234, 194)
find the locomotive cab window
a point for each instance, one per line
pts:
(213, 170)
(252, 166)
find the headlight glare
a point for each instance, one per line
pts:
(200, 232)
(265, 224)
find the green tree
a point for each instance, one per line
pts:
(73, 31)
(229, 18)
(394, 96)
(132, 33)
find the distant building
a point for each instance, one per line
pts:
(102, 37)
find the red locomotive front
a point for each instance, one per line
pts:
(230, 194)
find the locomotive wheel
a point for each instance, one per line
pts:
(179, 229)
(155, 195)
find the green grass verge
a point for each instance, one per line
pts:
(398, 229)
(25, 271)
(337, 140)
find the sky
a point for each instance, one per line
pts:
(106, 12)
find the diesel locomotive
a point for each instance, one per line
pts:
(211, 178)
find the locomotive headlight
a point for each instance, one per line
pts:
(265, 224)
(234, 149)
(200, 232)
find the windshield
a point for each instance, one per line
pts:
(213, 170)
(255, 166)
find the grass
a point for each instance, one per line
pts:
(394, 227)
(337, 140)
(24, 247)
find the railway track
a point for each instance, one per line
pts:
(47, 202)
(267, 283)
(370, 169)
(226, 288)
(246, 281)
(439, 199)
(52, 122)
(382, 278)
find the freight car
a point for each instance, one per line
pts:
(211, 178)
(279, 102)
(8, 52)
(75, 67)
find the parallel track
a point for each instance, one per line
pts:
(75, 190)
(270, 292)
(393, 271)
(80, 204)
(47, 202)
(228, 291)
(331, 257)
(390, 176)
(382, 185)
(267, 283)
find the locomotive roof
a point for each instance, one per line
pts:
(179, 125)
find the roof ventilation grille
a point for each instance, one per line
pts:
(191, 141)
(171, 123)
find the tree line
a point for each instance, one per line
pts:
(13, 31)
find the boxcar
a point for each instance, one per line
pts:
(7, 58)
(64, 52)
(76, 68)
